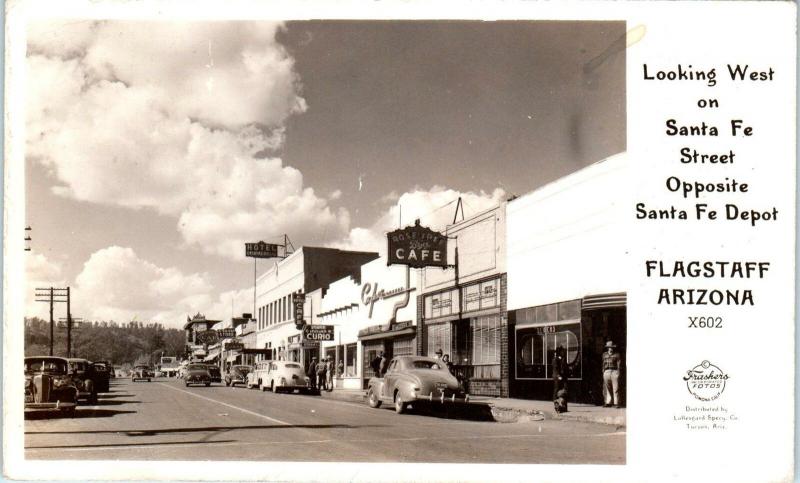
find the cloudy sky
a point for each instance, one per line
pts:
(156, 150)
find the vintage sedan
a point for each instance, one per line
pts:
(286, 376)
(197, 374)
(82, 373)
(102, 374)
(237, 375)
(48, 385)
(142, 372)
(413, 380)
(216, 374)
(257, 375)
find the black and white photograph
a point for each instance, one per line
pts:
(327, 241)
(399, 241)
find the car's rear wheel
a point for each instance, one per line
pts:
(399, 405)
(373, 399)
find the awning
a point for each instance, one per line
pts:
(604, 301)
(211, 356)
(256, 351)
(389, 334)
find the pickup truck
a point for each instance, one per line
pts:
(415, 379)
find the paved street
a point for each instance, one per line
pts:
(164, 420)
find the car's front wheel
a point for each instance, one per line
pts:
(373, 399)
(399, 405)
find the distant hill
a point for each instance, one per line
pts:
(119, 343)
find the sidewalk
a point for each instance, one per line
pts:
(507, 410)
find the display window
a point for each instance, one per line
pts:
(439, 336)
(536, 347)
(350, 354)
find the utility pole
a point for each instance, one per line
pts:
(52, 296)
(69, 326)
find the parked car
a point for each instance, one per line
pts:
(415, 379)
(48, 385)
(258, 373)
(237, 375)
(197, 374)
(286, 376)
(82, 373)
(216, 375)
(102, 374)
(141, 372)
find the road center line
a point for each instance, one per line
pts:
(252, 413)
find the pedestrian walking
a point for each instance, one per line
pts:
(383, 365)
(329, 373)
(612, 363)
(447, 364)
(375, 364)
(321, 369)
(560, 375)
(312, 372)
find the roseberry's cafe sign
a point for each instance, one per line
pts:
(417, 246)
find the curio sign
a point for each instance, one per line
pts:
(318, 333)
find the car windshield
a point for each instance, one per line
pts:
(197, 367)
(49, 366)
(294, 366)
(426, 365)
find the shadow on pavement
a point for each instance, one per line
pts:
(154, 432)
(108, 395)
(70, 446)
(79, 413)
(104, 402)
(468, 412)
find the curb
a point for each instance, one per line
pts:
(503, 414)
(516, 415)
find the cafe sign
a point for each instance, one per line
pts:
(208, 337)
(417, 246)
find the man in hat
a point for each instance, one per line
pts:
(612, 363)
(312, 372)
(439, 353)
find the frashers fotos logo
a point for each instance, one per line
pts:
(705, 381)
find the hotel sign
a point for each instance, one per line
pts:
(417, 246)
(261, 250)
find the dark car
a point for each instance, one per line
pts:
(102, 373)
(141, 372)
(48, 385)
(216, 375)
(237, 375)
(197, 374)
(82, 372)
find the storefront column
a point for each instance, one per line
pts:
(420, 326)
(504, 346)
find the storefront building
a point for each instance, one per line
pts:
(308, 271)
(195, 349)
(566, 281)
(462, 311)
(372, 313)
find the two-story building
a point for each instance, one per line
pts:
(462, 309)
(308, 271)
(196, 349)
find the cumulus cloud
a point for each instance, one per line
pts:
(181, 118)
(40, 272)
(434, 208)
(116, 284)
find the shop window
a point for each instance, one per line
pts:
(350, 355)
(439, 336)
(485, 340)
(441, 304)
(403, 347)
(537, 345)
